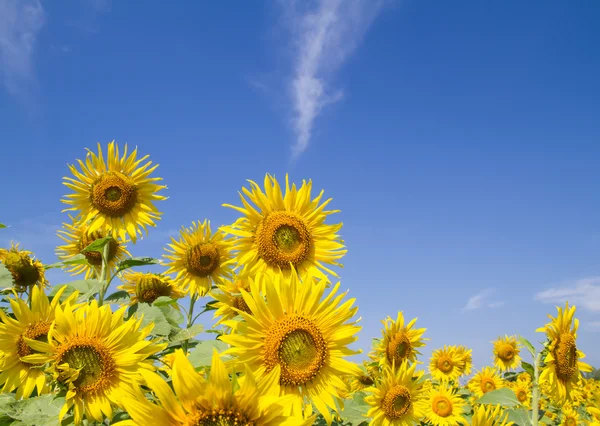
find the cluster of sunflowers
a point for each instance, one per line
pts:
(72, 354)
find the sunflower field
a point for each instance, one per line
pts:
(118, 346)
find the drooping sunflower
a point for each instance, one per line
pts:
(216, 401)
(284, 231)
(562, 362)
(400, 341)
(229, 299)
(569, 416)
(446, 364)
(116, 194)
(443, 407)
(304, 333)
(147, 287)
(33, 323)
(522, 391)
(467, 357)
(506, 353)
(96, 355)
(199, 258)
(395, 400)
(489, 415)
(77, 237)
(26, 270)
(486, 380)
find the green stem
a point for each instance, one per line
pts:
(535, 398)
(190, 319)
(104, 273)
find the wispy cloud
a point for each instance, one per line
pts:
(482, 300)
(325, 33)
(584, 293)
(20, 24)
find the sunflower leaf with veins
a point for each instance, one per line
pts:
(504, 397)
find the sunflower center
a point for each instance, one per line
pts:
(93, 362)
(202, 259)
(396, 402)
(366, 380)
(565, 354)
(220, 418)
(521, 395)
(240, 303)
(113, 195)
(22, 269)
(506, 352)
(445, 364)
(442, 406)
(93, 257)
(399, 348)
(297, 345)
(150, 288)
(37, 332)
(283, 238)
(487, 385)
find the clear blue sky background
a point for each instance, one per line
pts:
(464, 154)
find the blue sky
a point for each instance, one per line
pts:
(461, 140)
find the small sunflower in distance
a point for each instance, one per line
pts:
(466, 355)
(486, 380)
(561, 364)
(358, 382)
(284, 231)
(446, 364)
(199, 258)
(116, 194)
(25, 269)
(147, 287)
(522, 392)
(77, 237)
(569, 416)
(229, 299)
(524, 377)
(395, 400)
(443, 407)
(506, 353)
(96, 355)
(301, 331)
(400, 341)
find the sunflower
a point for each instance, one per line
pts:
(447, 363)
(96, 355)
(524, 377)
(288, 231)
(147, 287)
(561, 364)
(569, 417)
(229, 299)
(77, 237)
(199, 258)
(466, 355)
(302, 332)
(358, 382)
(26, 271)
(486, 380)
(522, 391)
(443, 407)
(116, 194)
(506, 353)
(395, 401)
(490, 416)
(216, 401)
(32, 323)
(400, 341)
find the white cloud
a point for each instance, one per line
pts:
(584, 293)
(481, 300)
(20, 23)
(324, 36)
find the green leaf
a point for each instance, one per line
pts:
(155, 315)
(6, 278)
(3, 226)
(505, 397)
(173, 316)
(78, 259)
(528, 345)
(118, 296)
(86, 288)
(164, 301)
(355, 409)
(528, 367)
(187, 333)
(519, 416)
(201, 355)
(97, 245)
(37, 411)
(136, 261)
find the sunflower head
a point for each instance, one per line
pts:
(117, 194)
(524, 377)
(486, 380)
(506, 353)
(229, 299)
(400, 342)
(24, 268)
(522, 391)
(447, 363)
(147, 287)
(442, 406)
(199, 258)
(569, 416)
(466, 355)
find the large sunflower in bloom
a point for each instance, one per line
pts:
(301, 331)
(24, 268)
(561, 364)
(396, 399)
(96, 355)
(77, 237)
(284, 231)
(147, 287)
(486, 380)
(506, 353)
(33, 323)
(447, 363)
(216, 401)
(400, 341)
(443, 407)
(116, 194)
(199, 258)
